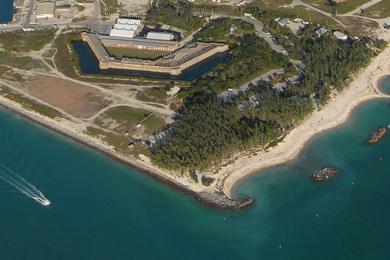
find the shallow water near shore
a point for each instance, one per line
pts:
(384, 85)
(102, 209)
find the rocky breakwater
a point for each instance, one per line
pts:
(324, 174)
(218, 199)
(377, 135)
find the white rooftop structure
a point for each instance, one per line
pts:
(130, 27)
(340, 35)
(283, 21)
(321, 31)
(165, 36)
(126, 27)
(122, 33)
(129, 21)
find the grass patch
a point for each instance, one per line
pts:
(127, 115)
(120, 53)
(358, 26)
(342, 8)
(219, 30)
(127, 118)
(66, 58)
(108, 137)
(268, 12)
(153, 123)
(111, 6)
(155, 95)
(20, 62)
(379, 10)
(120, 143)
(80, 19)
(25, 41)
(29, 104)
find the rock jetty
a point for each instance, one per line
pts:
(377, 135)
(218, 199)
(324, 174)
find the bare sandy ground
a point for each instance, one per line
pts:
(135, 6)
(362, 88)
(78, 100)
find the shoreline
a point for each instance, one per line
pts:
(363, 87)
(209, 197)
(220, 194)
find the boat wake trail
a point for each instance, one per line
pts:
(22, 185)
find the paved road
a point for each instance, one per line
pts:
(244, 87)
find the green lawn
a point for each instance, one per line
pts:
(380, 10)
(133, 53)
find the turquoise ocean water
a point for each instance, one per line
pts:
(104, 210)
(6, 11)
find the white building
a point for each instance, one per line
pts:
(129, 21)
(165, 36)
(340, 35)
(125, 27)
(122, 33)
(45, 10)
(321, 31)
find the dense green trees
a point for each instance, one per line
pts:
(250, 58)
(175, 13)
(208, 130)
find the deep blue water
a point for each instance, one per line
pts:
(6, 11)
(90, 65)
(102, 209)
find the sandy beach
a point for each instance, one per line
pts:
(362, 88)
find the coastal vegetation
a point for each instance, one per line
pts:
(122, 119)
(220, 31)
(28, 103)
(250, 57)
(13, 45)
(269, 11)
(177, 14)
(66, 59)
(18, 42)
(209, 130)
